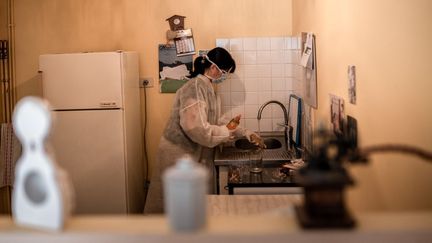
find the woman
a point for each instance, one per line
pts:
(195, 126)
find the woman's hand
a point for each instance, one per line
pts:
(255, 139)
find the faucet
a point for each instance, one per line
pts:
(286, 126)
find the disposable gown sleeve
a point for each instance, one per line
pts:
(194, 122)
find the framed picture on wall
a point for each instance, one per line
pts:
(173, 69)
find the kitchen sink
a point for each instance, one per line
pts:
(239, 151)
(244, 144)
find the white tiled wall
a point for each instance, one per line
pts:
(267, 69)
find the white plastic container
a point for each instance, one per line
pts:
(185, 188)
(43, 196)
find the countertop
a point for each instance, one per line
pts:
(231, 219)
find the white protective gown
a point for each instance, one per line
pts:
(194, 128)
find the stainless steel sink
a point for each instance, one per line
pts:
(270, 143)
(239, 151)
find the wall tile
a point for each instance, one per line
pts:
(263, 43)
(250, 57)
(236, 44)
(225, 98)
(251, 124)
(224, 43)
(250, 44)
(264, 84)
(237, 85)
(251, 111)
(239, 72)
(288, 70)
(250, 71)
(278, 84)
(225, 86)
(251, 84)
(299, 43)
(298, 72)
(264, 57)
(238, 57)
(264, 70)
(226, 111)
(251, 98)
(278, 95)
(294, 43)
(288, 56)
(237, 98)
(296, 85)
(276, 43)
(289, 83)
(264, 97)
(277, 56)
(287, 43)
(277, 70)
(296, 57)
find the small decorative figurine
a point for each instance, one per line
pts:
(42, 196)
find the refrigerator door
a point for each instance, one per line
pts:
(82, 80)
(89, 145)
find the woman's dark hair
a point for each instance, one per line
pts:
(218, 55)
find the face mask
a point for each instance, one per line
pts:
(222, 78)
(224, 74)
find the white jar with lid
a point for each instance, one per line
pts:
(185, 188)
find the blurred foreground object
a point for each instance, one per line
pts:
(324, 178)
(42, 197)
(185, 189)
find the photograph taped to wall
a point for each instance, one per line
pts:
(352, 84)
(337, 114)
(173, 69)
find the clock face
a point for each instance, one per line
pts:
(176, 21)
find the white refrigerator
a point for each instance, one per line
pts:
(97, 134)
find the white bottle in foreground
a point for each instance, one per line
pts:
(43, 194)
(185, 189)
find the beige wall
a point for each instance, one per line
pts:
(50, 26)
(3, 20)
(389, 42)
(393, 89)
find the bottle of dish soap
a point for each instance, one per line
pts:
(234, 123)
(185, 188)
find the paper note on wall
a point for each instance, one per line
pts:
(307, 51)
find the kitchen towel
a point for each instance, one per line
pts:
(10, 150)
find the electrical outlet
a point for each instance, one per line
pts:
(146, 82)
